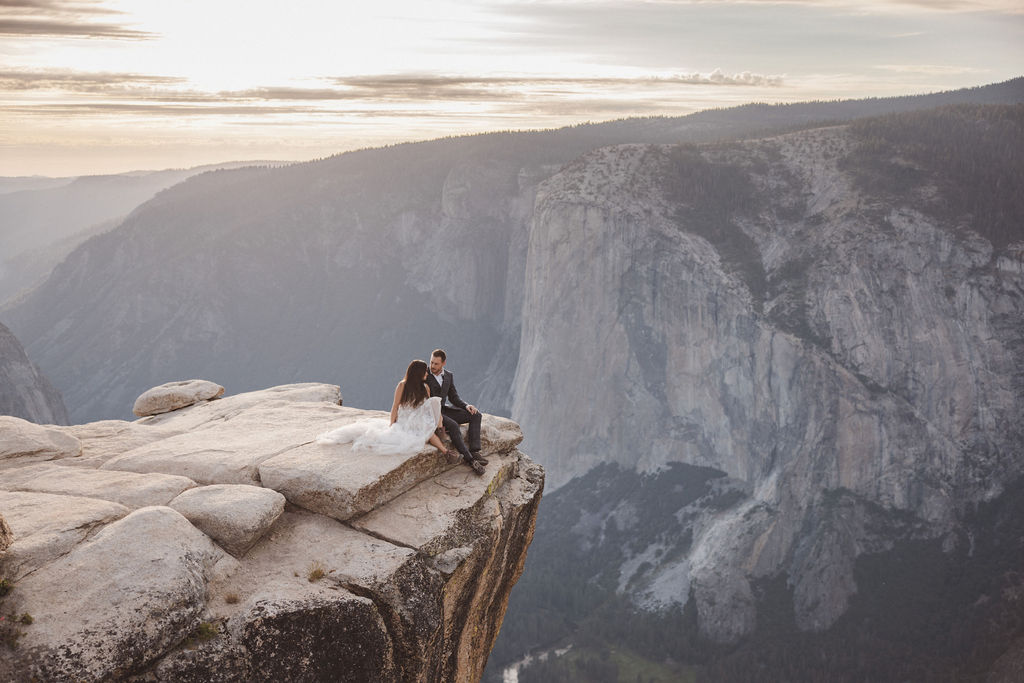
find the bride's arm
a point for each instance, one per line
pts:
(394, 405)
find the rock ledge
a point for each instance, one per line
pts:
(218, 541)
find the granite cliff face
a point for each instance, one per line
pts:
(852, 363)
(221, 542)
(24, 390)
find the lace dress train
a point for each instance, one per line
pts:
(408, 434)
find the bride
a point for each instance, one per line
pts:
(415, 416)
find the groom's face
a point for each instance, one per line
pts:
(436, 364)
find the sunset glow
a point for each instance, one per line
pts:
(102, 86)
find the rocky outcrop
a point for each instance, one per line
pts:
(147, 574)
(750, 308)
(24, 391)
(24, 441)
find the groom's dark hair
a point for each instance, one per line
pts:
(440, 354)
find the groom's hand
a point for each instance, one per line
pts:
(471, 408)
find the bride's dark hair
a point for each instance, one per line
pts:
(414, 392)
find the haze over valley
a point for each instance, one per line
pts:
(738, 284)
(798, 327)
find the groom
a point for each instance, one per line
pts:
(459, 412)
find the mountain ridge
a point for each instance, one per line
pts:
(814, 314)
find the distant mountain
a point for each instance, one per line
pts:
(263, 276)
(42, 219)
(24, 391)
(805, 345)
(22, 183)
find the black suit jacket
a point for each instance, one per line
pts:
(446, 390)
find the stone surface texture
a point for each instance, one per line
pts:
(174, 395)
(141, 574)
(23, 442)
(234, 515)
(127, 488)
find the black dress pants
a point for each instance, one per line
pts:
(452, 417)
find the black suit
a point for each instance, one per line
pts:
(455, 414)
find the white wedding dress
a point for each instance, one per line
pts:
(408, 434)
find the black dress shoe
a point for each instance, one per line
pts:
(477, 467)
(479, 458)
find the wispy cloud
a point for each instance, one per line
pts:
(79, 81)
(1002, 6)
(383, 87)
(69, 94)
(930, 69)
(406, 86)
(64, 19)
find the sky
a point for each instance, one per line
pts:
(109, 86)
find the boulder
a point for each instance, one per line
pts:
(114, 603)
(335, 637)
(233, 515)
(45, 527)
(175, 395)
(127, 488)
(499, 434)
(22, 442)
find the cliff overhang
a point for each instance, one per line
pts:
(220, 541)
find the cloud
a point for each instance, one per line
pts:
(416, 87)
(82, 82)
(389, 88)
(504, 100)
(930, 69)
(862, 6)
(63, 19)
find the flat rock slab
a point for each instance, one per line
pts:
(233, 515)
(225, 408)
(175, 395)
(430, 516)
(127, 488)
(115, 602)
(229, 449)
(278, 567)
(335, 481)
(45, 526)
(106, 439)
(23, 442)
